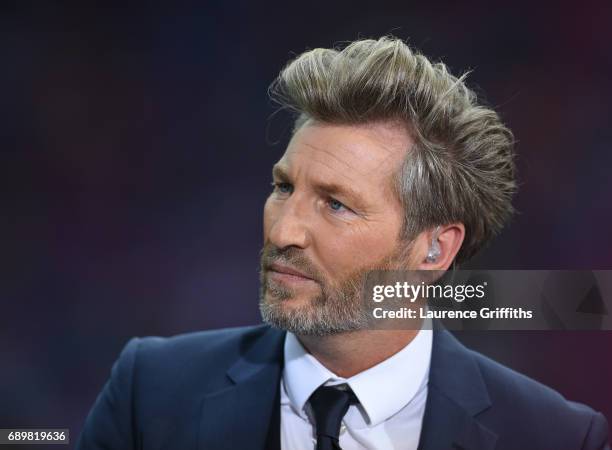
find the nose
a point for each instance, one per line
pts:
(289, 226)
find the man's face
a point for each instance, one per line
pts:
(332, 217)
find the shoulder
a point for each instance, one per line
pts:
(157, 384)
(204, 344)
(168, 371)
(520, 404)
(191, 359)
(200, 353)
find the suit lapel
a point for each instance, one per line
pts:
(239, 415)
(456, 395)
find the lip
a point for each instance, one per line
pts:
(287, 270)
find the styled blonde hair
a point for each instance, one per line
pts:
(461, 167)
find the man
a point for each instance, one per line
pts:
(392, 165)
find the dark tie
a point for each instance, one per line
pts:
(329, 405)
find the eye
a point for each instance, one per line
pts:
(336, 205)
(283, 188)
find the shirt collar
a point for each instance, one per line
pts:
(382, 390)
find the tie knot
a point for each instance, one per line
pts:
(329, 405)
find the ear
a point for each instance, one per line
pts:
(449, 240)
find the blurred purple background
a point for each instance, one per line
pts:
(136, 154)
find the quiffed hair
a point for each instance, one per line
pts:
(461, 167)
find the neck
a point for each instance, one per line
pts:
(347, 354)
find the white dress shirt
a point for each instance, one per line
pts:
(391, 397)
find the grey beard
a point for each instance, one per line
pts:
(331, 312)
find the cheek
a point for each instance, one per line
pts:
(268, 217)
(361, 247)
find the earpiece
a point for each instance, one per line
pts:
(434, 248)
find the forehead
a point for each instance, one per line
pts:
(362, 156)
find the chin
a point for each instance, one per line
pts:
(294, 300)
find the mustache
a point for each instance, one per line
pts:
(290, 256)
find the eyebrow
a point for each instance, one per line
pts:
(329, 188)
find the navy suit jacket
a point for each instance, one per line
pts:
(219, 390)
